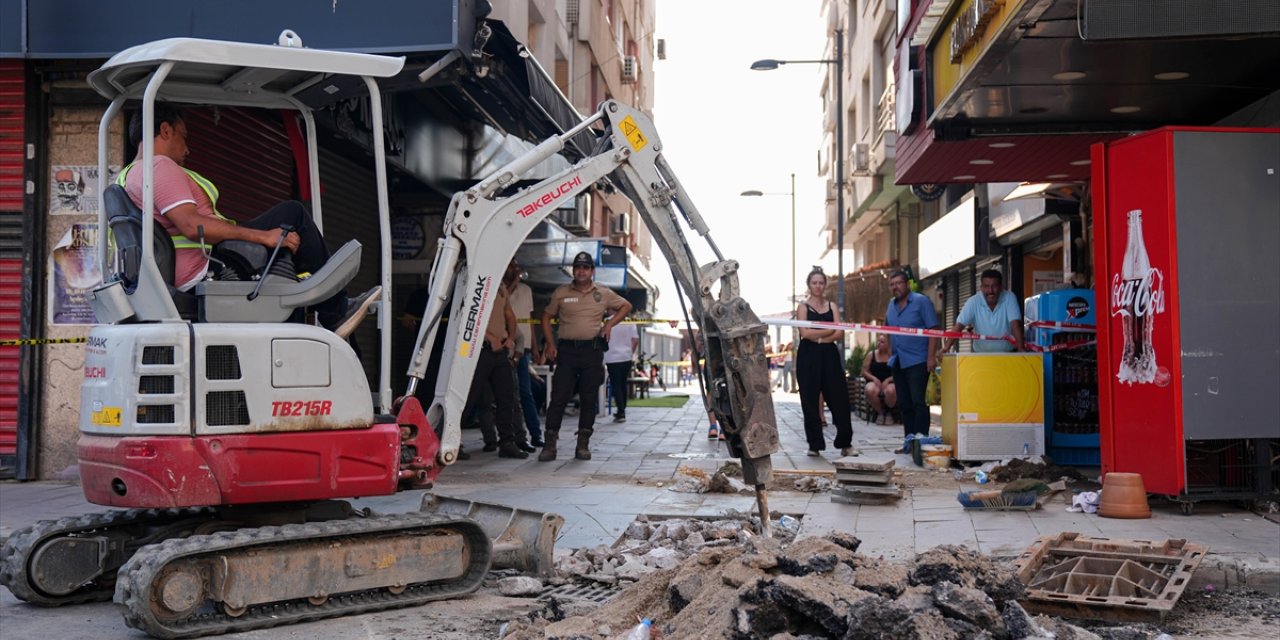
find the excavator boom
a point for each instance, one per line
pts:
(483, 229)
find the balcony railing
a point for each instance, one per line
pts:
(886, 114)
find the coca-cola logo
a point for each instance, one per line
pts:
(1142, 297)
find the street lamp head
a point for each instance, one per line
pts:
(767, 64)
(752, 193)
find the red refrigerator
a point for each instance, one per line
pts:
(1187, 282)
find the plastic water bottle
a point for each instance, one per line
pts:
(640, 631)
(1026, 448)
(789, 523)
(980, 476)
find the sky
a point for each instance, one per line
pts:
(726, 129)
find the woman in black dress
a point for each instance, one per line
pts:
(820, 372)
(881, 393)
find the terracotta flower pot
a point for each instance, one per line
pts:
(1123, 496)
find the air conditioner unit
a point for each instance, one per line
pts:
(630, 68)
(575, 217)
(662, 48)
(571, 12)
(621, 224)
(861, 159)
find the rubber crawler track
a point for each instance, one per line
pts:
(15, 556)
(136, 577)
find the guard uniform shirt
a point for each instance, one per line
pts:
(498, 319)
(582, 314)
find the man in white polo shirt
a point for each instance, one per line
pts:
(993, 312)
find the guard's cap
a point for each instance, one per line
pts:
(584, 259)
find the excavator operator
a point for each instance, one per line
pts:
(186, 200)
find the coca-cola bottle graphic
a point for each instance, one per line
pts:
(1137, 295)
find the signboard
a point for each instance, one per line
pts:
(960, 43)
(949, 241)
(407, 239)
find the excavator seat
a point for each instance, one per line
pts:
(227, 298)
(125, 220)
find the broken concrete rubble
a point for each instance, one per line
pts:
(520, 586)
(756, 587)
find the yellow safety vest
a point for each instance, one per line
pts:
(180, 241)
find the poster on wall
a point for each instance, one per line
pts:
(74, 189)
(1042, 281)
(73, 271)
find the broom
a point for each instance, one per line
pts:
(997, 499)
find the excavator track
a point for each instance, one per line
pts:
(204, 585)
(22, 573)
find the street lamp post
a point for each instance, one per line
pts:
(755, 193)
(770, 64)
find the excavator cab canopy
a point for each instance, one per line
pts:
(212, 72)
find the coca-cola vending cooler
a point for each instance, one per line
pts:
(1187, 277)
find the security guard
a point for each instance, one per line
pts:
(580, 307)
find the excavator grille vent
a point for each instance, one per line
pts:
(221, 362)
(155, 414)
(226, 408)
(155, 385)
(157, 355)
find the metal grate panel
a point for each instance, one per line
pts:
(157, 355)
(155, 385)
(594, 592)
(221, 362)
(1126, 19)
(226, 408)
(155, 414)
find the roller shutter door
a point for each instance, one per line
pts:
(12, 181)
(349, 204)
(246, 153)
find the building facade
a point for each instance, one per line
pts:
(881, 218)
(484, 101)
(596, 50)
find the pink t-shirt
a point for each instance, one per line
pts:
(173, 187)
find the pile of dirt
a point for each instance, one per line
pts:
(1017, 469)
(1252, 613)
(814, 587)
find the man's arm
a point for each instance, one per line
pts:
(1015, 327)
(950, 343)
(188, 221)
(619, 315)
(509, 317)
(930, 318)
(549, 350)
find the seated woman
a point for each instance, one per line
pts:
(879, 376)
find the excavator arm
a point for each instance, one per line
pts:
(482, 231)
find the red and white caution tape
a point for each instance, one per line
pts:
(912, 332)
(1068, 326)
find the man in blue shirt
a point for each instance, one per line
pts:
(994, 312)
(913, 358)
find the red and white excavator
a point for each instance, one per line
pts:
(230, 439)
